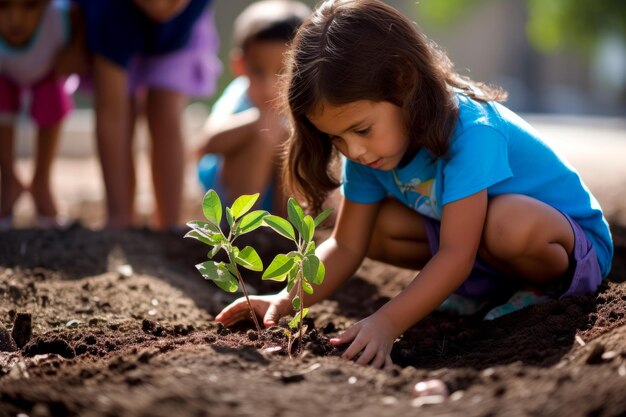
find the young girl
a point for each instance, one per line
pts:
(33, 34)
(439, 177)
(167, 51)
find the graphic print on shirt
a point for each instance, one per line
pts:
(418, 194)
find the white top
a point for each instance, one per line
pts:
(30, 63)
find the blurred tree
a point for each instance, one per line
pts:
(551, 23)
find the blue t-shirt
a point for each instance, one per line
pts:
(234, 99)
(491, 148)
(117, 29)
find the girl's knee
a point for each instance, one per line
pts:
(397, 228)
(516, 224)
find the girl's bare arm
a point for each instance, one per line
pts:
(461, 230)
(344, 251)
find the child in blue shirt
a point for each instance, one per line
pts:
(241, 140)
(439, 178)
(148, 57)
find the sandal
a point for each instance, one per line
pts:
(518, 301)
(461, 305)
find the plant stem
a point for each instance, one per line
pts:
(300, 294)
(245, 293)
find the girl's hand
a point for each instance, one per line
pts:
(270, 308)
(372, 337)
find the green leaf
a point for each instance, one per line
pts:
(229, 217)
(308, 288)
(293, 272)
(249, 259)
(295, 255)
(279, 268)
(308, 228)
(321, 272)
(295, 214)
(322, 216)
(219, 274)
(243, 204)
(214, 251)
(297, 319)
(310, 265)
(310, 248)
(280, 226)
(212, 207)
(232, 268)
(204, 226)
(251, 221)
(194, 234)
(296, 303)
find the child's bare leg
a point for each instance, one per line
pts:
(399, 237)
(47, 143)
(113, 115)
(164, 112)
(527, 239)
(10, 185)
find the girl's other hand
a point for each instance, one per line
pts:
(371, 339)
(270, 308)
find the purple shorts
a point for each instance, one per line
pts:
(192, 70)
(484, 281)
(50, 101)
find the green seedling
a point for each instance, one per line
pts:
(301, 267)
(240, 221)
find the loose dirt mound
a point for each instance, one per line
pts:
(122, 326)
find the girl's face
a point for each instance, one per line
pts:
(371, 133)
(161, 10)
(19, 20)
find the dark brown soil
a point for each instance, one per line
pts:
(120, 324)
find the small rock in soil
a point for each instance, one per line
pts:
(431, 387)
(22, 329)
(7, 344)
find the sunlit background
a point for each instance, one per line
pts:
(563, 63)
(554, 56)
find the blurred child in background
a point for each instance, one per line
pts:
(242, 137)
(35, 36)
(164, 52)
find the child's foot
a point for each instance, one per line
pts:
(463, 306)
(44, 203)
(10, 192)
(518, 301)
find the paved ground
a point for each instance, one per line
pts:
(595, 146)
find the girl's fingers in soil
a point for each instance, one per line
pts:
(355, 348)
(233, 312)
(370, 352)
(345, 337)
(271, 316)
(380, 360)
(388, 362)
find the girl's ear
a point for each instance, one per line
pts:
(237, 63)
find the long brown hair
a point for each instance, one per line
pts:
(350, 50)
